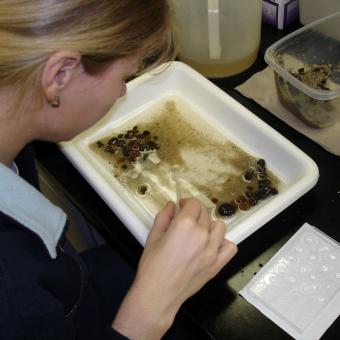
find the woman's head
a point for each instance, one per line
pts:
(100, 31)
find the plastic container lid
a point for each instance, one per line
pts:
(315, 44)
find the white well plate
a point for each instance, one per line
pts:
(299, 287)
(296, 171)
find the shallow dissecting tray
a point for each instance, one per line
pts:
(207, 108)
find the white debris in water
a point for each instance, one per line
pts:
(153, 157)
(198, 163)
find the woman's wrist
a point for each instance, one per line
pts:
(143, 315)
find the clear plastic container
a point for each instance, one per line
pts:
(218, 38)
(307, 71)
(311, 10)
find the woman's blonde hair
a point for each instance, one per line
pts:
(100, 30)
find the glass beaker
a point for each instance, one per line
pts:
(218, 38)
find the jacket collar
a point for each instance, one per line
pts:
(25, 204)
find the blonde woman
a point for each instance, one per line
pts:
(63, 63)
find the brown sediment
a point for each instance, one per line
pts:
(179, 143)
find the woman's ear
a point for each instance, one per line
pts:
(58, 71)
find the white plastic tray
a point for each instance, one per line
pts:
(299, 287)
(296, 171)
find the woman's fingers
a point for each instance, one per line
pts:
(204, 220)
(190, 207)
(223, 248)
(182, 201)
(194, 208)
(162, 220)
(217, 233)
(226, 252)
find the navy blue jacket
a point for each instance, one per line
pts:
(42, 297)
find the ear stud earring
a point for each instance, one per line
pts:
(55, 102)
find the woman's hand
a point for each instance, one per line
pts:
(181, 254)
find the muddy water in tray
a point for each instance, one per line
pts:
(144, 152)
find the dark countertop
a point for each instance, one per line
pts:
(217, 308)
